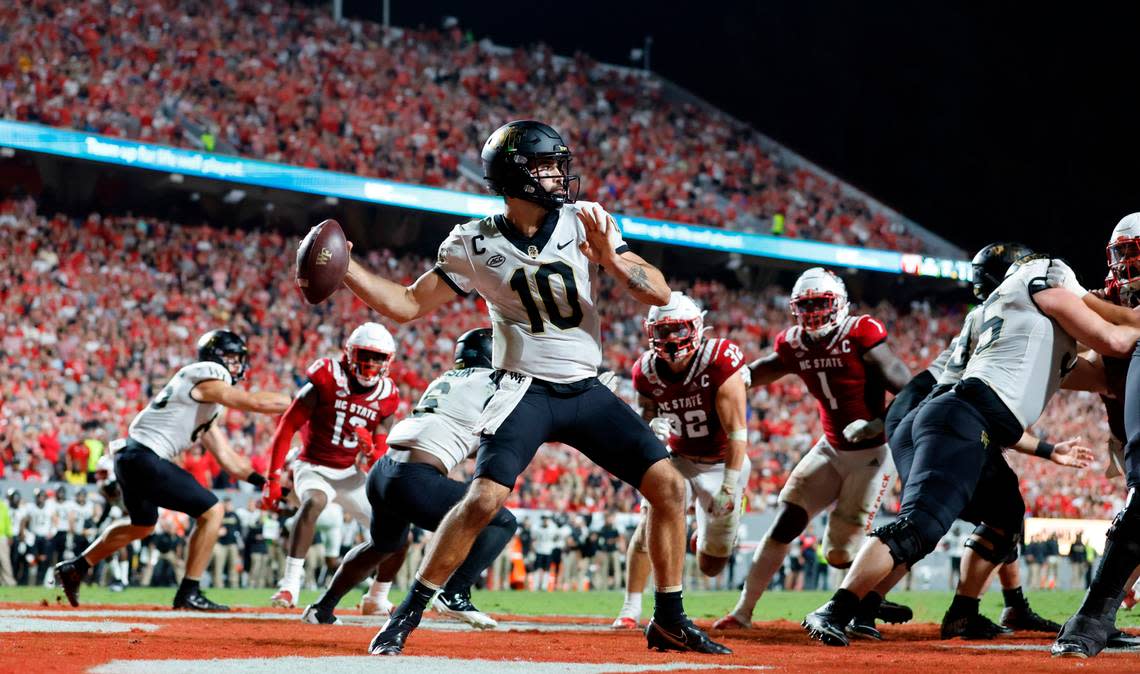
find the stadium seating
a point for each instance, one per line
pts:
(85, 344)
(413, 106)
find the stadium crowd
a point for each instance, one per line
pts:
(99, 312)
(283, 82)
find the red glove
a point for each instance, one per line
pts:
(271, 494)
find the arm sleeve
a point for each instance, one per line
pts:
(454, 265)
(296, 416)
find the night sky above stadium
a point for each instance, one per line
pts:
(974, 120)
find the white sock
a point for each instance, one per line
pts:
(765, 561)
(379, 591)
(632, 606)
(294, 572)
(124, 571)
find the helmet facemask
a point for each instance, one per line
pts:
(1124, 267)
(367, 366)
(819, 312)
(674, 339)
(546, 167)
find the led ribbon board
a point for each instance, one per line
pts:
(92, 147)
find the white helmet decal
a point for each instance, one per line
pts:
(819, 301)
(371, 337)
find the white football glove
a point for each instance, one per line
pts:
(661, 428)
(1115, 458)
(724, 500)
(1060, 275)
(861, 429)
(609, 379)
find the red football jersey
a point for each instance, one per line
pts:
(834, 371)
(688, 398)
(328, 437)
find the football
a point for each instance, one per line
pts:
(322, 261)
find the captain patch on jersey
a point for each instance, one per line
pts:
(540, 291)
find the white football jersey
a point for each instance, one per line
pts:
(442, 421)
(37, 520)
(1021, 353)
(83, 513)
(173, 420)
(540, 291)
(960, 349)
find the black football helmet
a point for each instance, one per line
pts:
(992, 262)
(473, 349)
(215, 345)
(513, 152)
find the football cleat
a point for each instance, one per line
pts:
(1082, 637)
(1025, 618)
(372, 606)
(975, 626)
(625, 622)
(458, 605)
(684, 636)
(1121, 639)
(861, 627)
(69, 577)
(895, 614)
(196, 601)
(824, 625)
(391, 637)
(283, 599)
(732, 622)
(316, 615)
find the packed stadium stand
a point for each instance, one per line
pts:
(410, 105)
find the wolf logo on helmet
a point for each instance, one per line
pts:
(819, 302)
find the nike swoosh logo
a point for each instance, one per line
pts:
(563, 245)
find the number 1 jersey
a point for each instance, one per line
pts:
(834, 371)
(541, 291)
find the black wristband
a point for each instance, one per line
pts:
(1044, 449)
(256, 479)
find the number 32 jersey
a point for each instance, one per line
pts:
(834, 372)
(688, 398)
(328, 438)
(541, 291)
(174, 420)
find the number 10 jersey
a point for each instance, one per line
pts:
(541, 291)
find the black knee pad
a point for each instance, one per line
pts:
(505, 519)
(1125, 527)
(910, 537)
(790, 523)
(992, 544)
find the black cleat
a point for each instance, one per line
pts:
(861, 628)
(194, 600)
(684, 636)
(824, 625)
(1122, 639)
(975, 626)
(391, 637)
(1026, 619)
(1082, 637)
(69, 577)
(315, 614)
(895, 614)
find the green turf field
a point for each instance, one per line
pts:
(928, 606)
